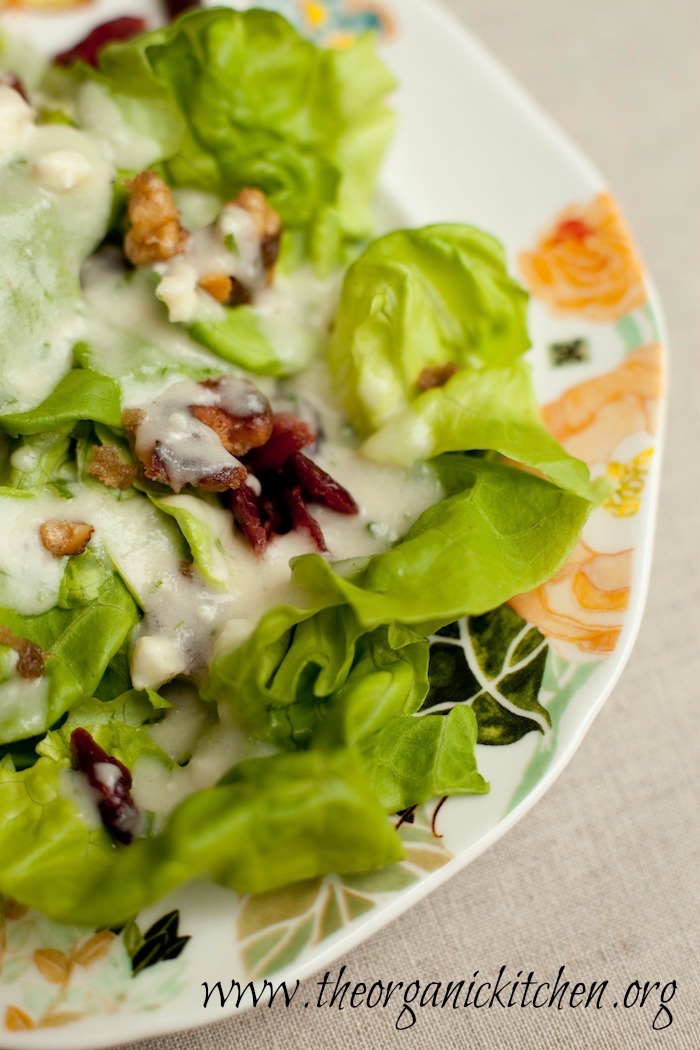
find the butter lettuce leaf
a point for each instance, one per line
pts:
(272, 821)
(40, 297)
(119, 726)
(79, 640)
(494, 409)
(418, 299)
(502, 533)
(315, 677)
(80, 395)
(232, 99)
(413, 759)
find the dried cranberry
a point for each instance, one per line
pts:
(246, 511)
(117, 808)
(88, 50)
(301, 516)
(320, 487)
(289, 435)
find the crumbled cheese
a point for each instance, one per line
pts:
(62, 170)
(178, 290)
(154, 661)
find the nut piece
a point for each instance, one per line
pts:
(435, 376)
(65, 537)
(268, 225)
(108, 468)
(237, 433)
(155, 233)
(31, 658)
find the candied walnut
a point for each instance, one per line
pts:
(237, 432)
(107, 466)
(435, 376)
(30, 664)
(62, 538)
(161, 467)
(268, 225)
(155, 234)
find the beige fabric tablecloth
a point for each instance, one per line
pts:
(603, 874)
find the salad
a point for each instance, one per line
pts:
(252, 457)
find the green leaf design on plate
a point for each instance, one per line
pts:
(494, 663)
(275, 928)
(160, 943)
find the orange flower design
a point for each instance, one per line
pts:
(587, 264)
(581, 610)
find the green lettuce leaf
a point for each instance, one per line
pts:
(118, 726)
(38, 458)
(272, 821)
(200, 523)
(232, 99)
(79, 641)
(80, 395)
(419, 299)
(314, 677)
(413, 759)
(40, 290)
(494, 409)
(503, 532)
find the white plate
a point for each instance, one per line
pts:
(471, 147)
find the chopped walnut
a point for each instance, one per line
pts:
(231, 411)
(31, 658)
(62, 538)
(155, 234)
(435, 376)
(268, 226)
(157, 467)
(107, 466)
(237, 433)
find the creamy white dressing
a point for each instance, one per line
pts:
(99, 114)
(55, 195)
(16, 122)
(129, 335)
(295, 313)
(30, 577)
(23, 707)
(230, 246)
(220, 747)
(188, 449)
